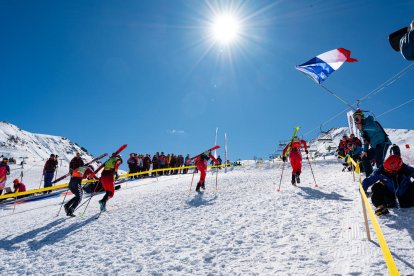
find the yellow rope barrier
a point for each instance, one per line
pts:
(392, 268)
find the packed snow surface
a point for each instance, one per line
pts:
(157, 226)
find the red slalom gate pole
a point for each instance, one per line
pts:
(310, 166)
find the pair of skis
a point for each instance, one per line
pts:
(90, 162)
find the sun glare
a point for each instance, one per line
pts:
(225, 29)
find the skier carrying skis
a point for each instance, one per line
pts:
(295, 157)
(75, 187)
(393, 185)
(201, 162)
(107, 178)
(4, 172)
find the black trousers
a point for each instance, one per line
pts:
(382, 196)
(378, 154)
(76, 188)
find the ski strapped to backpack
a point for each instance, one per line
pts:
(291, 141)
(90, 162)
(207, 152)
(113, 155)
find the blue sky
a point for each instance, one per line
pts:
(146, 73)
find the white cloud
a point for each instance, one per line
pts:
(176, 132)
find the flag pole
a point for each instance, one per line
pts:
(342, 100)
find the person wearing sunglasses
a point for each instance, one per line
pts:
(376, 141)
(392, 185)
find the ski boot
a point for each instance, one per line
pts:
(102, 205)
(198, 187)
(297, 178)
(293, 180)
(381, 210)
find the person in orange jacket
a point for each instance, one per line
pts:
(295, 157)
(76, 188)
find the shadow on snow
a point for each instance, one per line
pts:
(318, 194)
(198, 201)
(51, 237)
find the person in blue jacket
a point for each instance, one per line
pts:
(376, 141)
(392, 185)
(407, 43)
(354, 151)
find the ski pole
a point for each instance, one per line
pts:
(310, 166)
(280, 183)
(62, 202)
(88, 201)
(191, 185)
(41, 179)
(14, 204)
(216, 179)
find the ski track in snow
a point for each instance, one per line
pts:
(157, 227)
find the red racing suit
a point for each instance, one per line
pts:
(201, 164)
(295, 156)
(107, 176)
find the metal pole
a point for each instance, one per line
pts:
(281, 176)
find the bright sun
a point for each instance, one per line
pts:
(225, 29)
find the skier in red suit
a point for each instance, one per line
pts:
(295, 157)
(201, 162)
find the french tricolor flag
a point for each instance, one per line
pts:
(321, 66)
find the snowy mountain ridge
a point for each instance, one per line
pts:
(18, 143)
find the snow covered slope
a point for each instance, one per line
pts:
(156, 227)
(36, 148)
(18, 143)
(325, 144)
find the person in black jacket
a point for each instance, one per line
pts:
(76, 162)
(155, 164)
(133, 164)
(49, 171)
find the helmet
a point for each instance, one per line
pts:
(358, 112)
(16, 181)
(393, 164)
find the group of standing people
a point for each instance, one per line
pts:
(140, 163)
